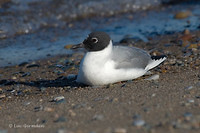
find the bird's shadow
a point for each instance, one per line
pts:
(59, 82)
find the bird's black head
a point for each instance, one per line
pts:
(96, 41)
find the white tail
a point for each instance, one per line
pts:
(154, 62)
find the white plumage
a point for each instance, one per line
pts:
(114, 64)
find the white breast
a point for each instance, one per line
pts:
(94, 66)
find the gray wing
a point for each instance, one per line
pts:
(130, 57)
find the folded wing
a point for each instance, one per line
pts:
(130, 57)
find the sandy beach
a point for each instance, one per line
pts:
(42, 96)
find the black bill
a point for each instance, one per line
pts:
(76, 46)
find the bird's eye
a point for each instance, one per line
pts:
(94, 40)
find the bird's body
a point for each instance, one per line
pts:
(114, 63)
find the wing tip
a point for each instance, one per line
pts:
(159, 57)
(156, 61)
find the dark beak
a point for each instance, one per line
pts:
(76, 46)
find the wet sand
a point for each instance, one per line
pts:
(42, 96)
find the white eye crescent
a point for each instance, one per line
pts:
(94, 40)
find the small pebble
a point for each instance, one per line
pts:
(154, 77)
(2, 96)
(190, 100)
(41, 100)
(48, 109)
(139, 123)
(136, 117)
(186, 32)
(120, 130)
(64, 131)
(72, 113)
(60, 66)
(114, 100)
(60, 119)
(98, 99)
(77, 106)
(193, 46)
(43, 89)
(89, 108)
(59, 99)
(198, 97)
(189, 88)
(98, 117)
(12, 91)
(22, 80)
(167, 45)
(26, 74)
(68, 46)
(39, 108)
(14, 78)
(185, 104)
(172, 61)
(188, 116)
(146, 110)
(198, 84)
(27, 103)
(182, 14)
(123, 85)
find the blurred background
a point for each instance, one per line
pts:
(35, 29)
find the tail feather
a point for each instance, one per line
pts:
(155, 61)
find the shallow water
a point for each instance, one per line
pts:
(50, 41)
(24, 16)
